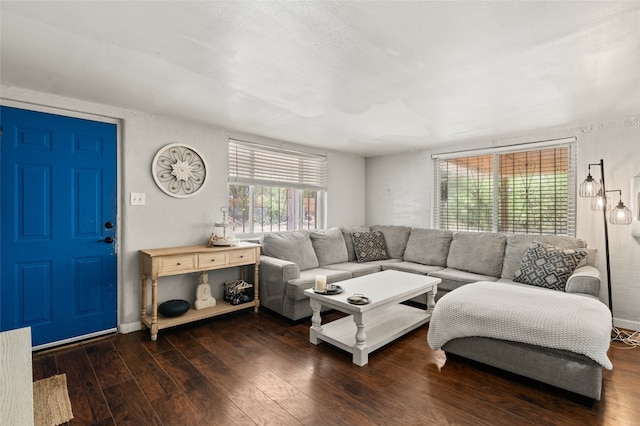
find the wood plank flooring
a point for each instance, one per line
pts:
(246, 368)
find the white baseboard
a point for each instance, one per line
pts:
(626, 324)
(130, 327)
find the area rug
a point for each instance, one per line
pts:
(51, 404)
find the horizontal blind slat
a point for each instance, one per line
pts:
(260, 164)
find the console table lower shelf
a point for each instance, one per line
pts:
(196, 314)
(378, 327)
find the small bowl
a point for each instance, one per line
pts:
(358, 299)
(174, 308)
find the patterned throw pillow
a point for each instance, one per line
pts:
(548, 266)
(369, 246)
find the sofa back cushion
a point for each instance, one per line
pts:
(347, 232)
(517, 245)
(477, 252)
(395, 239)
(329, 246)
(293, 246)
(428, 246)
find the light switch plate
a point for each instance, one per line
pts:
(137, 199)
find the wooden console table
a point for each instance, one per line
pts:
(162, 262)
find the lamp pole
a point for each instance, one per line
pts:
(606, 237)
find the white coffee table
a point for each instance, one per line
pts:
(383, 320)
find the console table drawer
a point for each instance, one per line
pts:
(177, 263)
(212, 259)
(242, 256)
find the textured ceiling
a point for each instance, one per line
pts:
(364, 77)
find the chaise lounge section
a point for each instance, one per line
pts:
(554, 337)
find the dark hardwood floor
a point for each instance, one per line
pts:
(247, 368)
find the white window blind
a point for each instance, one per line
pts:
(526, 189)
(466, 193)
(534, 196)
(254, 164)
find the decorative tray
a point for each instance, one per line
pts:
(337, 290)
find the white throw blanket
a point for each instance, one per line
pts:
(524, 314)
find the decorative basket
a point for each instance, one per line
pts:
(237, 292)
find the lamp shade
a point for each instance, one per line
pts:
(620, 215)
(600, 202)
(590, 187)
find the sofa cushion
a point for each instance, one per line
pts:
(544, 265)
(428, 246)
(384, 262)
(293, 246)
(395, 238)
(411, 267)
(347, 232)
(477, 252)
(356, 269)
(329, 246)
(454, 278)
(369, 246)
(518, 244)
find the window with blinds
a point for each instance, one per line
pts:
(523, 190)
(272, 189)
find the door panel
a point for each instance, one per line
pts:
(57, 273)
(34, 278)
(34, 202)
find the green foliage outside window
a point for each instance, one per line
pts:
(255, 209)
(521, 192)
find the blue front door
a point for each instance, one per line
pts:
(58, 269)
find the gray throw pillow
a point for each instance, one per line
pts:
(369, 246)
(548, 266)
(329, 246)
(293, 246)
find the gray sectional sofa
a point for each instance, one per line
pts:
(291, 260)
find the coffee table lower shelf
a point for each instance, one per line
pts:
(382, 326)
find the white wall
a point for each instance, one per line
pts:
(346, 204)
(166, 221)
(392, 183)
(399, 188)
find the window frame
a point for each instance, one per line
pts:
(569, 143)
(264, 167)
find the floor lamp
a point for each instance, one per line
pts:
(619, 215)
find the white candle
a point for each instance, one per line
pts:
(321, 283)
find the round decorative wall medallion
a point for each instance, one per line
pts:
(179, 170)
